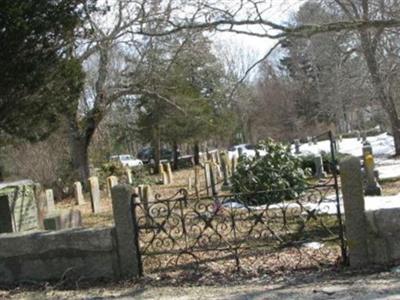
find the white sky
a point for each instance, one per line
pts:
(280, 12)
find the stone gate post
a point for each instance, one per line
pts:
(126, 232)
(354, 206)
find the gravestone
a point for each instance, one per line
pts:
(218, 156)
(18, 207)
(297, 146)
(79, 199)
(129, 175)
(50, 200)
(94, 193)
(207, 178)
(366, 149)
(168, 171)
(218, 170)
(234, 164)
(164, 176)
(63, 219)
(225, 171)
(111, 182)
(372, 186)
(319, 167)
(309, 140)
(190, 183)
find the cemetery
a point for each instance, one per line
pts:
(203, 149)
(185, 220)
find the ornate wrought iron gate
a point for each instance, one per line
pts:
(234, 231)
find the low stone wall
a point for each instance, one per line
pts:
(54, 255)
(383, 232)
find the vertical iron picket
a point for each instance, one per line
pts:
(339, 213)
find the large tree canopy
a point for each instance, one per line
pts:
(36, 76)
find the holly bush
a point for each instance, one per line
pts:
(279, 173)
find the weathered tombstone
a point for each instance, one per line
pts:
(319, 167)
(79, 199)
(225, 171)
(50, 200)
(140, 191)
(218, 156)
(18, 207)
(218, 170)
(297, 146)
(129, 175)
(94, 194)
(63, 219)
(207, 168)
(190, 185)
(372, 186)
(234, 164)
(111, 182)
(168, 171)
(309, 140)
(164, 176)
(366, 149)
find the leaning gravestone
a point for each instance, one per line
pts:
(94, 193)
(18, 207)
(50, 200)
(297, 146)
(79, 199)
(319, 167)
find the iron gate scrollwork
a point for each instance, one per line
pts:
(183, 232)
(236, 231)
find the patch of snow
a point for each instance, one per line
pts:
(382, 202)
(313, 245)
(382, 146)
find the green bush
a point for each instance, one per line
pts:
(279, 172)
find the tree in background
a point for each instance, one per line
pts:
(192, 80)
(37, 79)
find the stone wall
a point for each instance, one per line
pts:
(55, 255)
(383, 229)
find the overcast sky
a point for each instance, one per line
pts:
(279, 11)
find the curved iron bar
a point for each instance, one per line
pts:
(181, 225)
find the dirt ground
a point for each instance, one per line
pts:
(328, 285)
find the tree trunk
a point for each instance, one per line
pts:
(386, 100)
(80, 159)
(196, 153)
(80, 139)
(156, 145)
(176, 155)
